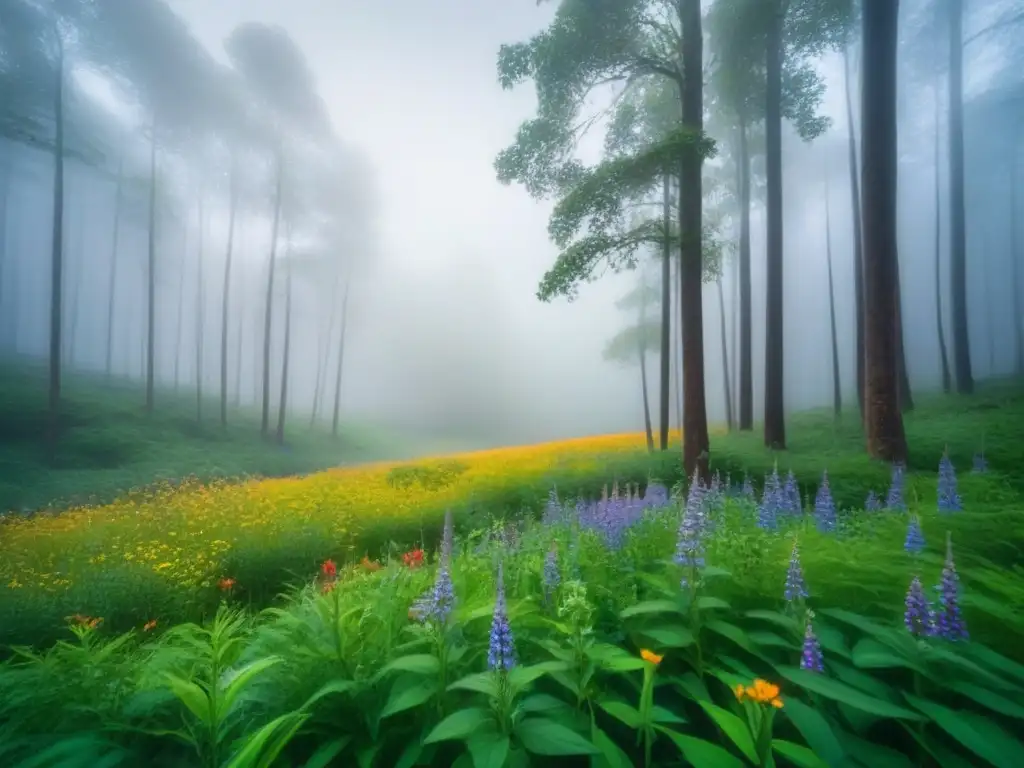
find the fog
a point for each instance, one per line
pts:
(444, 331)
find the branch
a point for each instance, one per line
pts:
(1007, 22)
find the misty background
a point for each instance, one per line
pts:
(444, 331)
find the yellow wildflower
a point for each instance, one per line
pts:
(650, 656)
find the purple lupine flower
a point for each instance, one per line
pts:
(791, 495)
(553, 511)
(501, 654)
(917, 614)
(689, 547)
(438, 603)
(771, 503)
(811, 657)
(949, 499)
(872, 503)
(824, 507)
(552, 575)
(914, 543)
(748, 489)
(655, 495)
(894, 500)
(796, 587)
(949, 623)
(980, 463)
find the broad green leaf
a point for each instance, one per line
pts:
(546, 737)
(238, 680)
(709, 603)
(520, 677)
(651, 606)
(192, 696)
(665, 716)
(325, 754)
(732, 632)
(714, 572)
(669, 637)
(800, 756)
(733, 727)
(623, 664)
(862, 681)
(693, 687)
(261, 749)
(815, 729)
(623, 712)
(460, 725)
(410, 755)
(541, 702)
(832, 641)
(780, 620)
(993, 660)
(417, 663)
(982, 737)
(488, 750)
(700, 753)
(331, 688)
(873, 755)
(899, 640)
(769, 639)
(944, 655)
(408, 692)
(837, 691)
(868, 653)
(987, 699)
(611, 755)
(480, 682)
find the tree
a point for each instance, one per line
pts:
(837, 392)
(858, 247)
(884, 423)
(943, 355)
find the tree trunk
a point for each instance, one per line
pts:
(734, 312)
(6, 174)
(903, 377)
(725, 356)
(695, 418)
(886, 439)
(664, 393)
(242, 309)
(774, 362)
(269, 309)
(112, 277)
(1015, 257)
(341, 357)
(837, 391)
(678, 356)
(323, 354)
(225, 304)
(943, 354)
(957, 220)
(56, 256)
(200, 310)
(78, 258)
(648, 428)
(181, 313)
(746, 363)
(151, 277)
(990, 321)
(858, 246)
(283, 407)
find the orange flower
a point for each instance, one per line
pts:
(87, 622)
(413, 558)
(226, 584)
(370, 565)
(327, 587)
(761, 691)
(149, 625)
(650, 656)
(329, 569)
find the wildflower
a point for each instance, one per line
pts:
(651, 656)
(917, 614)
(747, 490)
(949, 499)
(914, 542)
(413, 558)
(771, 502)
(226, 584)
(85, 622)
(369, 565)
(689, 547)
(824, 507)
(810, 656)
(438, 603)
(329, 570)
(553, 510)
(894, 500)
(791, 495)
(872, 503)
(501, 654)
(979, 463)
(796, 587)
(761, 692)
(552, 576)
(949, 623)
(149, 625)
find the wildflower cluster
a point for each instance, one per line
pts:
(824, 507)
(943, 618)
(949, 498)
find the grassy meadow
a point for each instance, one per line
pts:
(295, 621)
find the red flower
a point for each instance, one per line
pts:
(225, 584)
(329, 570)
(413, 559)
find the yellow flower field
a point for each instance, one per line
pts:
(185, 533)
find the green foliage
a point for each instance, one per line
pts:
(432, 476)
(628, 344)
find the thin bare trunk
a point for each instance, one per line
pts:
(112, 277)
(746, 362)
(200, 308)
(837, 394)
(323, 352)
(283, 407)
(957, 219)
(269, 308)
(725, 356)
(664, 394)
(947, 382)
(243, 306)
(648, 428)
(341, 356)
(858, 247)
(151, 278)
(1015, 257)
(56, 256)
(225, 301)
(181, 313)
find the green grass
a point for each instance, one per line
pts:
(109, 445)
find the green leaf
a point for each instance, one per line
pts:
(732, 632)
(239, 679)
(261, 749)
(488, 750)
(623, 712)
(460, 725)
(520, 677)
(993, 660)
(862, 681)
(873, 755)
(871, 654)
(987, 699)
(984, 738)
(611, 755)
(733, 727)
(480, 682)
(800, 756)
(651, 606)
(192, 696)
(325, 754)
(693, 687)
(666, 717)
(546, 737)
(541, 702)
(837, 691)
(331, 688)
(709, 603)
(623, 663)
(815, 729)
(417, 663)
(944, 655)
(714, 572)
(408, 692)
(770, 639)
(780, 620)
(700, 753)
(669, 637)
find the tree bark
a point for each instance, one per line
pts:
(648, 428)
(957, 205)
(181, 313)
(858, 246)
(56, 257)
(112, 277)
(903, 377)
(947, 383)
(837, 391)
(283, 406)
(269, 309)
(1015, 257)
(6, 176)
(151, 278)
(774, 363)
(725, 356)
(664, 392)
(324, 353)
(886, 439)
(746, 364)
(225, 302)
(341, 357)
(695, 419)
(200, 309)
(242, 309)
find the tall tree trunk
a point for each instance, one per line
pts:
(947, 383)
(678, 346)
(151, 277)
(112, 276)
(746, 364)
(225, 304)
(56, 256)
(837, 391)
(1015, 257)
(774, 361)
(957, 218)
(734, 312)
(181, 313)
(990, 321)
(648, 428)
(200, 308)
(341, 356)
(886, 439)
(283, 407)
(903, 377)
(666, 313)
(725, 356)
(695, 418)
(322, 355)
(269, 309)
(858, 246)
(239, 347)
(78, 259)
(6, 175)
